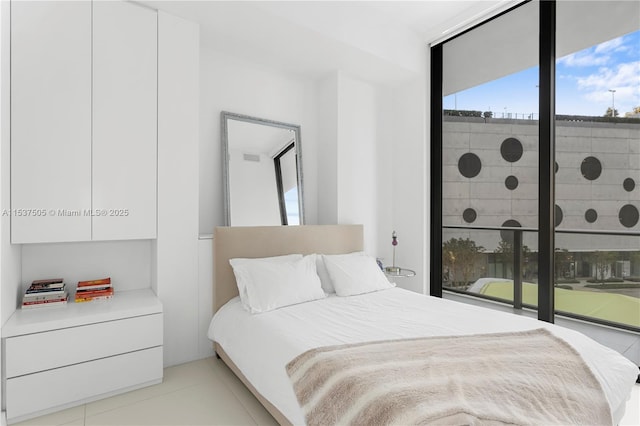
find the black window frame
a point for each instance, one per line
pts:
(278, 169)
(546, 181)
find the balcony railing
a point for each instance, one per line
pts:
(523, 264)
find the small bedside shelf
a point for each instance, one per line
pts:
(399, 273)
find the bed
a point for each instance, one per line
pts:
(260, 347)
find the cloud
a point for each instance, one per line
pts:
(611, 45)
(623, 75)
(624, 79)
(582, 59)
(597, 55)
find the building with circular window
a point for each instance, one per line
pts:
(492, 165)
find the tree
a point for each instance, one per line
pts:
(562, 263)
(459, 258)
(602, 261)
(611, 112)
(504, 254)
(634, 258)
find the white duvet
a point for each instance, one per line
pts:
(262, 344)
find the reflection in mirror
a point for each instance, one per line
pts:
(262, 172)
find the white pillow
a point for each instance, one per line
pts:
(355, 273)
(321, 269)
(241, 283)
(323, 274)
(271, 283)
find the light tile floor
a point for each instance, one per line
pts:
(203, 392)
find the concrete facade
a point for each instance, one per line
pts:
(598, 169)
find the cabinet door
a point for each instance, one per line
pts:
(50, 121)
(124, 121)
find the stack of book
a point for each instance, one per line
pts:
(89, 291)
(49, 292)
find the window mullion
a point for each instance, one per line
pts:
(435, 286)
(546, 159)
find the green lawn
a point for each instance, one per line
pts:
(618, 308)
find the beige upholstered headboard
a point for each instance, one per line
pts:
(265, 241)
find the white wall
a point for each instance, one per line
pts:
(237, 85)
(355, 158)
(373, 165)
(358, 169)
(176, 246)
(253, 197)
(205, 295)
(411, 190)
(327, 152)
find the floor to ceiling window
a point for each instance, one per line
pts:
(535, 200)
(597, 150)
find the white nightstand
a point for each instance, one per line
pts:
(58, 357)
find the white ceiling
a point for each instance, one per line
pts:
(376, 40)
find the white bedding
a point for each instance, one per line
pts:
(262, 344)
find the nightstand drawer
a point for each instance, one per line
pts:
(39, 393)
(52, 349)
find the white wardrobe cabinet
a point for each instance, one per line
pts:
(50, 121)
(83, 121)
(125, 87)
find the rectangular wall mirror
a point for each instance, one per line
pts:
(262, 171)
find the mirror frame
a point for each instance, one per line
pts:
(224, 117)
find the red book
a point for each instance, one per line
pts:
(44, 302)
(89, 296)
(94, 284)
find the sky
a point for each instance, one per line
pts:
(291, 202)
(583, 81)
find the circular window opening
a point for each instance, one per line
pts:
(469, 165)
(591, 215)
(591, 168)
(511, 182)
(558, 215)
(469, 215)
(629, 216)
(507, 235)
(511, 150)
(629, 184)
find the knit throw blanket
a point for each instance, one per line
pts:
(523, 378)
